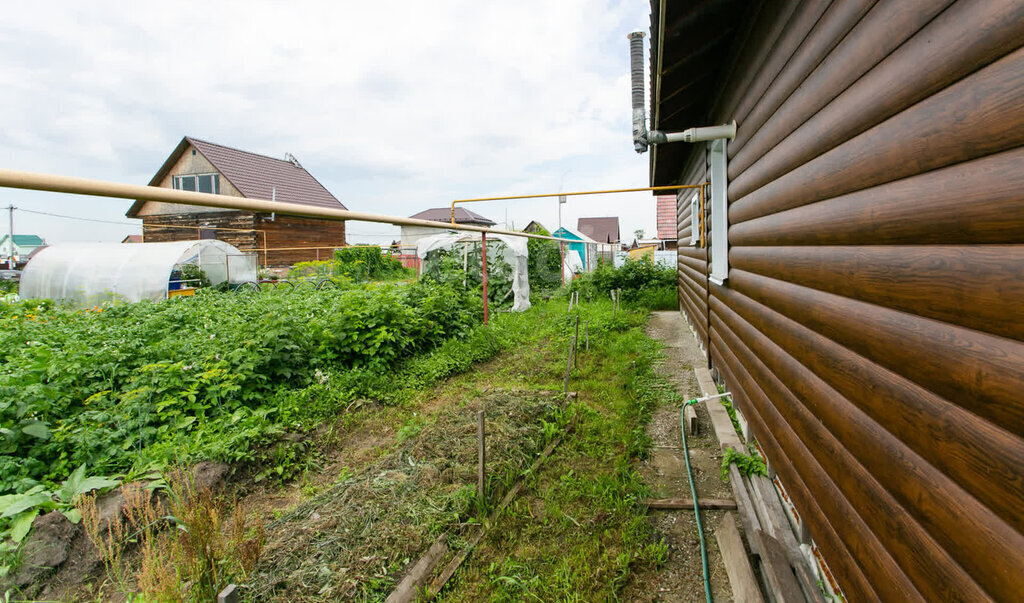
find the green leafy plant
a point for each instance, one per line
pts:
(18, 511)
(135, 384)
(462, 268)
(727, 403)
(748, 464)
(194, 274)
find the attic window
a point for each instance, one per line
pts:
(203, 183)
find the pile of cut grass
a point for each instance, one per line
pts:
(353, 541)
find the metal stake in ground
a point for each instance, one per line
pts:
(481, 454)
(228, 595)
(568, 366)
(483, 239)
(575, 342)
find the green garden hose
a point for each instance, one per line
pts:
(696, 504)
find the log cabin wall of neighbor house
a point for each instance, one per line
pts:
(296, 232)
(290, 239)
(233, 227)
(872, 325)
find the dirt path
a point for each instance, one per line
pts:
(681, 578)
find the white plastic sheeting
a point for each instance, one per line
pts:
(573, 265)
(515, 252)
(87, 274)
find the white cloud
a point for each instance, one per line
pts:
(393, 108)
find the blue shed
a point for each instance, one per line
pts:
(581, 247)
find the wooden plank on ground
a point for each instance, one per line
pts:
(775, 567)
(414, 581)
(766, 491)
(720, 421)
(745, 507)
(228, 595)
(690, 415)
(772, 522)
(669, 504)
(737, 563)
(786, 536)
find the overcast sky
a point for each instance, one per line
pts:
(394, 107)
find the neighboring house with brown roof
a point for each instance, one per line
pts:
(667, 232)
(197, 165)
(535, 227)
(606, 232)
(412, 234)
(133, 239)
(602, 230)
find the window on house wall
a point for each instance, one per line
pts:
(202, 183)
(695, 221)
(719, 215)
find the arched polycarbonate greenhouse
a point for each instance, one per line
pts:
(87, 274)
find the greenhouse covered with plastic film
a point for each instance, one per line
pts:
(89, 274)
(506, 262)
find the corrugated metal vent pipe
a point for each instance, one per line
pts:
(641, 137)
(636, 67)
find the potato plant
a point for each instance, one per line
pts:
(211, 375)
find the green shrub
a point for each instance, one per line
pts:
(643, 284)
(358, 264)
(544, 263)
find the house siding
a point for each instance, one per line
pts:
(871, 329)
(232, 227)
(287, 239)
(294, 233)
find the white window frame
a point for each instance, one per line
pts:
(215, 179)
(694, 221)
(719, 214)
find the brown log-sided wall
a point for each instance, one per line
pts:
(872, 325)
(232, 227)
(288, 239)
(295, 232)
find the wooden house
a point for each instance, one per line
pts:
(535, 227)
(278, 240)
(859, 284)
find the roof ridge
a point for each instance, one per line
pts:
(193, 139)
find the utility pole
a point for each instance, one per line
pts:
(10, 242)
(561, 246)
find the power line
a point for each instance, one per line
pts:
(137, 225)
(45, 213)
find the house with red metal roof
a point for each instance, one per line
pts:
(278, 240)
